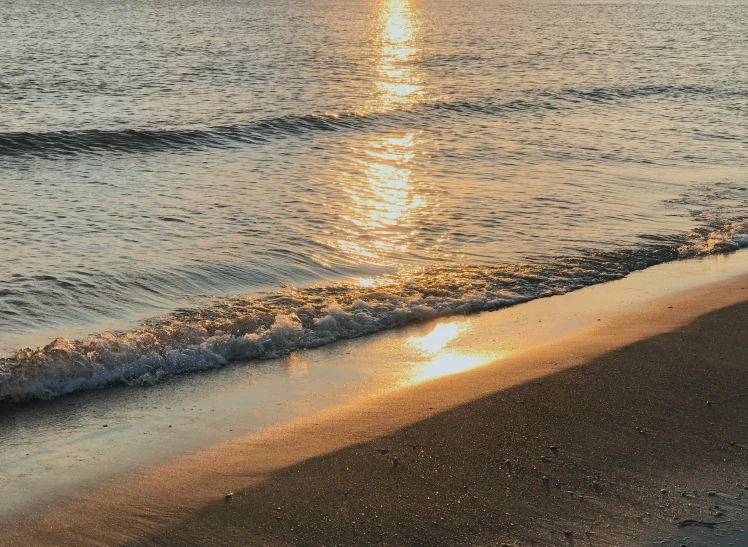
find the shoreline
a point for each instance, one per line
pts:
(176, 502)
(52, 451)
(243, 328)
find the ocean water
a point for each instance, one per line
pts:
(184, 183)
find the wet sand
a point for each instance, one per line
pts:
(631, 432)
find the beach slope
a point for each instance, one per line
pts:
(624, 434)
(645, 440)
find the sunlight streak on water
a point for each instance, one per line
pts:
(378, 220)
(399, 84)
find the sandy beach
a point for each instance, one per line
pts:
(628, 433)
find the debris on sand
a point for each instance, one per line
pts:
(691, 522)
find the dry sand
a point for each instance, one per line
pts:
(628, 433)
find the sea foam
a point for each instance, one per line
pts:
(269, 327)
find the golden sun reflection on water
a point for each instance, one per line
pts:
(379, 218)
(442, 361)
(398, 82)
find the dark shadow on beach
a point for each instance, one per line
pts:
(646, 442)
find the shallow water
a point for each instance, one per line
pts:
(395, 159)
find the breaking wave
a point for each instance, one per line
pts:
(246, 328)
(129, 141)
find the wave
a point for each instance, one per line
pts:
(245, 328)
(126, 141)
(732, 236)
(672, 91)
(129, 141)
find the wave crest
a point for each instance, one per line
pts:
(723, 239)
(128, 141)
(247, 328)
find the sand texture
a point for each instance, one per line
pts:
(622, 435)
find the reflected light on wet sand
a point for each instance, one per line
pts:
(438, 338)
(441, 361)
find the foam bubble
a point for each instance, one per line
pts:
(727, 238)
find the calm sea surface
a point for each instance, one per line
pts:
(183, 183)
